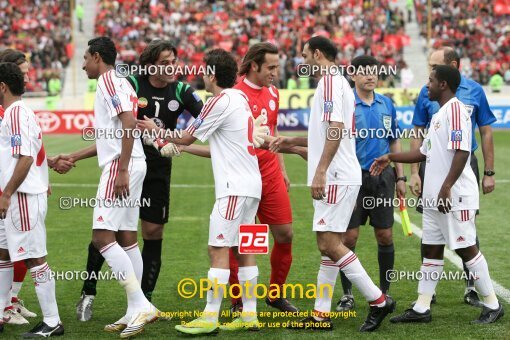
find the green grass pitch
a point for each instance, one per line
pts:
(185, 255)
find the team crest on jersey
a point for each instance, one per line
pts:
(437, 125)
(469, 109)
(116, 101)
(16, 140)
(197, 97)
(173, 105)
(197, 122)
(456, 136)
(328, 106)
(142, 102)
(272, 105)
(387, 122)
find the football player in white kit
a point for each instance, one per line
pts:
(123, 167)
(227, 123)
(450, 198)
(23, 203)
(333, 168)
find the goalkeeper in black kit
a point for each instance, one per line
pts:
(162, 98)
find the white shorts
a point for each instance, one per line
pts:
(25, 231)
(228, 213)
(115, 217)
(456, 229)
(334, 212)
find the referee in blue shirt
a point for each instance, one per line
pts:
(376, 125)
(471, 94)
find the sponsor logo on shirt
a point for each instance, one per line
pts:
(328, 106)
(173, 105)
(456, 136)
(272, 105)
(142, 102)
(16, 140)
(116, 101)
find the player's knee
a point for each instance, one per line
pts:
(350, 241)
(384, 237)
(31, 263)
(324, 248)
(153, 233)
(4, 255)
(284, 236)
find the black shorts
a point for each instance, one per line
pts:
(156, 188)
(474, 166)
(382, 186)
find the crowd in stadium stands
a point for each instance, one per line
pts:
(478, 33)
(357, 26)
(42, 30)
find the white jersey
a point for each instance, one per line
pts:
(333, 101)
(227, 123)
(113, 96)
(21, 135)
(450, 130)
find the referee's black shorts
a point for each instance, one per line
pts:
(382, 186)
(474, 166)
(156, 189)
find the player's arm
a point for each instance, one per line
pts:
(185, 137)
(18, 176)
(484, 119)
(380, 163)
(88, 152)
(197, 150)
(488, 182)
(192, 101)
(395, 147)
(328, 153)
(419, 124)
(20, 149)
(128, 122)
(281, 161)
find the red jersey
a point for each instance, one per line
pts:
(263, 100)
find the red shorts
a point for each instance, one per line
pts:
(274, 205)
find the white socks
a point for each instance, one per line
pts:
(6, 276)
(480, 270)
(136, 260)
(248, 281)
(45, 290)
(326, 279)
(355, 272)
(432, 270)
(215, 296)
(121, 265)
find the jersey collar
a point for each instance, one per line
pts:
(252, 85)
(377, 98)
(463, 82)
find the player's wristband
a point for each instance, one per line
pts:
(489, 173)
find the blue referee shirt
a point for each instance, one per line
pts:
(470, 93)
(380, 115)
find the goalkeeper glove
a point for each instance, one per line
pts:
(259, 131)
(165, 148)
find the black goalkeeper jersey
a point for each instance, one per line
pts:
(164, 105)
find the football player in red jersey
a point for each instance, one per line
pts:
(258, 71)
